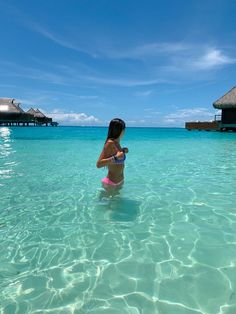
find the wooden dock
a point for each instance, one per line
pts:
(27, 122)
(211, 126)
(205, 125)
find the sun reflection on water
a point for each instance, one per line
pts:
(5, 134)
(6, 151)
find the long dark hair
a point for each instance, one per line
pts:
(116, 126)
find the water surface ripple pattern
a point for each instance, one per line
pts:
(165, 244)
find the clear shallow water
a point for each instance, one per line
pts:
(165, 244)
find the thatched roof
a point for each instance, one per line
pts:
(226, 101)
(39, 114)
(6, 101)
(9, 105)
(36, 113)
(31, 111)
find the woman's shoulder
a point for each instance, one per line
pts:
(109, 144)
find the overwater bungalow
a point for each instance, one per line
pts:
(226, 121)
(40, 118)
(11, 114)
(227, 105)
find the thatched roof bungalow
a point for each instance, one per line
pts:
(227, 121)
(12, 114)
(36, 113)
(39, 117)
(227, 104)
(10, 106)
(10, 111)
(228, 101)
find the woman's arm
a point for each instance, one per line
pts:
(107, 155)
(104, 162)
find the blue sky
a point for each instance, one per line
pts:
(152, 63)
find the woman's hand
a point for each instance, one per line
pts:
(120, 155)
(125, 150)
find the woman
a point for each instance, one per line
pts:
(113, 155)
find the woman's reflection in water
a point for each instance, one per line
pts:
(121, 208)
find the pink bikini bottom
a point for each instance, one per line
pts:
(107, 181)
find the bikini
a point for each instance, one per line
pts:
(107, 181)
(120, 160)
(117, 161)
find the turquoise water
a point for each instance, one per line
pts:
(165, 244)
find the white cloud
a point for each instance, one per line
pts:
(107, 49)
(194, 59)
(74, 119)
(148, 109)
(68, 79)
(76, 96)
(183, 113)
(144, 93)
(143, 51)
(125, 82)
(212, 58)
(15, 70)
(207, 59)
(181, 116)
(63, 42)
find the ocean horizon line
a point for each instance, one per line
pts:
(106, 126)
